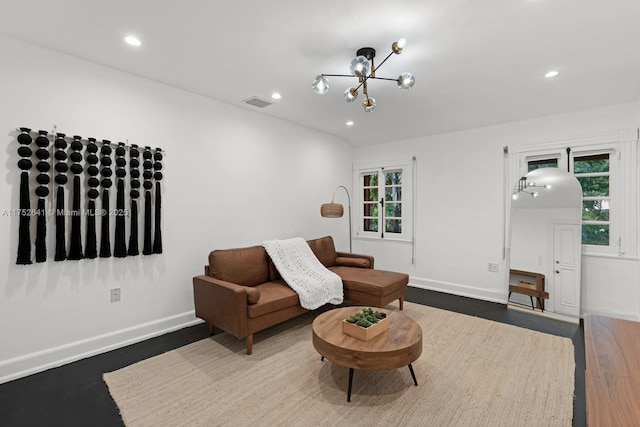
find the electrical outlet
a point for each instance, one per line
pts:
(493, 266)
(115, 294)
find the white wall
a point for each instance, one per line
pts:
(460, 210)
(233, 177)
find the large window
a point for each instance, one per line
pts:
(593, 173)
(382, 201)
(384, 207)
(606, 166)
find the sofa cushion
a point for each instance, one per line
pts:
(374, 282)
(253, 294)
(353, 262)
(324, 250)
(244, 266)
(274, 296)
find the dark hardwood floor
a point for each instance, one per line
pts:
(75, 394)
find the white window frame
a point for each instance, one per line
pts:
(359, 170)
(614, 207)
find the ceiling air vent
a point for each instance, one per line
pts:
(257, 102)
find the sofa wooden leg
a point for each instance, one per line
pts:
(401, 299)
(250, 344)
(211, 329)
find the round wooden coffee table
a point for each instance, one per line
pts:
(399, 346)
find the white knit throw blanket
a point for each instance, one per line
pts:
(304, 273)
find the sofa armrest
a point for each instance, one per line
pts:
(222, 304)
(354, 260)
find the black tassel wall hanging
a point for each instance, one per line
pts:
(147, 249)
(92, 174)
(75, 249)
(61, 179)
(42, 191)
(120, 245)
(24, 232)
(157, 176)
(105, 161)
(134, 173)
(91, 245)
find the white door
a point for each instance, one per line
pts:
(566, 269)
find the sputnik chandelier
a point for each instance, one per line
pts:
(523, 186)
(363, 67)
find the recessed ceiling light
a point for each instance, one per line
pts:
(276, 95)
(551, 73)
(132, 41)
(349, 123)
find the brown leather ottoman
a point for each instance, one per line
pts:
(372, 287)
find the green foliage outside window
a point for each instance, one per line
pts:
(393, 226)
(595, 234)
(546, 163)
(393, 210)
(595, 210)
(591, 164)
(594, 186)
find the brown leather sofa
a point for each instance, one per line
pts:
(242, 292)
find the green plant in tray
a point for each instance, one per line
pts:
(366, 317)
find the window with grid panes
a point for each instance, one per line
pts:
(382, 201)
(594, 173)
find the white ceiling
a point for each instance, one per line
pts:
(476, 62)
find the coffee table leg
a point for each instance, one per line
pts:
(413, 375)
(350, 383)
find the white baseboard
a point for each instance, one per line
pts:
(457, 289)
(32, 363)
(623, 316)
(547, 314)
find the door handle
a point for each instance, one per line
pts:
(557, 271)
(557, 262)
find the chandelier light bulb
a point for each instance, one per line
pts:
(514, 196)
(548, 186)
(368, 105)
(534, 194)
(351, 94)
(360, 66)
(396, 47)
(406, 81)
(321, 85)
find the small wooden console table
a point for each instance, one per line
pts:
(536, 290)
(399, 346)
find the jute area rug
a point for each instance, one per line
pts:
(472, 372)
